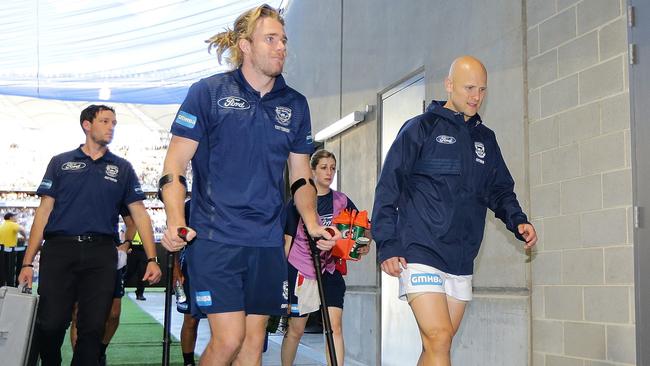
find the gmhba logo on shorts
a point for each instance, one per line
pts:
(233, 103)
(426, 279)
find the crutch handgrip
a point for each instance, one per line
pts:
(182, 232)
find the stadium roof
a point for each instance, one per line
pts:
(133, 51)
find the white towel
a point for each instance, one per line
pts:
(307, 293)
(121, 259)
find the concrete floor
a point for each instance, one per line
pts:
(310, 351)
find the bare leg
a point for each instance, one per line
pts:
(432, 314)
(251, 350)
(188, 333)
(73, 327)
(291, 340)
(227, 335)
(456, 312)
(113, 320)
(336, 318)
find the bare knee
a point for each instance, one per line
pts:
(294, 333)
(191, 324)
(227, 345)
(255, 341)
(337, 329)
(437, 338)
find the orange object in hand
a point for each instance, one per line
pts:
(352, 224)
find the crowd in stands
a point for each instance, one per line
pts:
(18, 185)
(24, 161)
(24, 204)
(24, 215)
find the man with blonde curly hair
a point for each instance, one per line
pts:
(239, 128)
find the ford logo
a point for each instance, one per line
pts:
(73, 165)
(444, 139)
(233, 103)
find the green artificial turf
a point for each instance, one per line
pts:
(138, 340)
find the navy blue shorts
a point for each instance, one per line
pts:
(228, 278)
(333, 285)
(120, 278)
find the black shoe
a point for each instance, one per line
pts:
(102, 360)
(140, 297)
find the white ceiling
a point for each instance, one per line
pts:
(142, 51)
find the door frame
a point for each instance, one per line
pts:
(393, 88)
(639, 89)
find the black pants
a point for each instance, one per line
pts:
(20, 255)
(9, 266)
(137, 266)
(82, 272)
(3, 274)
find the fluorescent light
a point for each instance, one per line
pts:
(340, 125)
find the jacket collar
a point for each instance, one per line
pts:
(437, 107)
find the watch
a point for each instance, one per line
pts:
(153, 259)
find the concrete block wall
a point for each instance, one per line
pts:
(558, 102)
(580, 180)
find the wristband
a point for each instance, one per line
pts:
(27, 265)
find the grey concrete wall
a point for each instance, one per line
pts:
(381, 42)
(581, 188)
(493, 323)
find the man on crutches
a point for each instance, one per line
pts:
(239, 128)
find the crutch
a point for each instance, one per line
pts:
(169, 290)
(168, 309)
(327, 325)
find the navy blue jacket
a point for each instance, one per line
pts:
(438, 179)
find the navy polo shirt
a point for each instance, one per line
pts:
(244, 142)
(88, 194)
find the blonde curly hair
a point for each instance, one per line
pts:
(243, 28)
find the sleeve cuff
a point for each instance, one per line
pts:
(516, 224)
(388, 249)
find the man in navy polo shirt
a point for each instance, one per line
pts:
(81, 195)
(239, 128)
